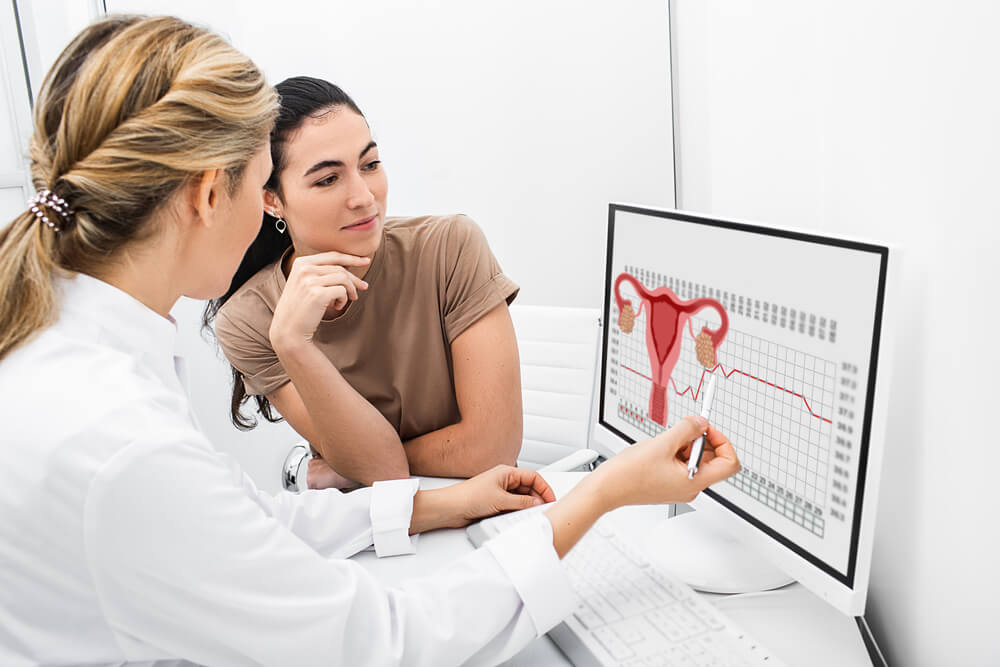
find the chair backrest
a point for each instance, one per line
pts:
(558, 347)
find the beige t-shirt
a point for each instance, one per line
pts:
(431, 278)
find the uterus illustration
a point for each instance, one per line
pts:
(666, 317)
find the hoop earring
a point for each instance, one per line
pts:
(280, 225)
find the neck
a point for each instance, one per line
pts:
(149, 275)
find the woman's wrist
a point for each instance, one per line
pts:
(604, 493)
(433, 509)
(575, 513)
(287, 345)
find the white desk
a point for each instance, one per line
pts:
(793, 623)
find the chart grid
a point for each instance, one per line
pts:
(775, 403)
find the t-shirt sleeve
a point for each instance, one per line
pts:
(249, 351)
(473, 282)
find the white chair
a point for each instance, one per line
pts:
(558, 350)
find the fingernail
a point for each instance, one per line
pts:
(701, 421)
(536, 501)
(364, 284)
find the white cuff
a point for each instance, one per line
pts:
(391, 512)
(526, 554)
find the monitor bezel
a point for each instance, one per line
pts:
(851, 586)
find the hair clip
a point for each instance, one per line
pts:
(50, 200)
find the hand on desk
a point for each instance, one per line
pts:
(500, 489)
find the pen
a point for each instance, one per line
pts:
(699, 445)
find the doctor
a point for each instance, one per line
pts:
(124, 536)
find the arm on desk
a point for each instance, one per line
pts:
(500, 489)
(223, 574)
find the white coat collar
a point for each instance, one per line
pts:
(119, 320)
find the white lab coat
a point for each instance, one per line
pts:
(125, 537)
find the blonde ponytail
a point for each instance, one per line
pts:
(27, 299)
(132, 109)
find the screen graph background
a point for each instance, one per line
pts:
(789, 394)
(766, 393)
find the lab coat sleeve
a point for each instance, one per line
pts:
(338, 524)
(188, 565)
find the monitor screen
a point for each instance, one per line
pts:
(790, 324)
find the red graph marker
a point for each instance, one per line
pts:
(696, 392)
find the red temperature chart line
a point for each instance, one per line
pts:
(696, 392)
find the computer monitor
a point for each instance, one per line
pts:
(795, 325)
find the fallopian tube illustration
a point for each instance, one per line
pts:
(666, 316)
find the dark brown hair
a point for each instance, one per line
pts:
(301, 97)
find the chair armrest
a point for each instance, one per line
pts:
(581, 458)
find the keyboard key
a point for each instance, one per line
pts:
(585, 614)
(685, 617)
(628, 631)
(709, 615)
(665, 624)
(603, 609)
(667, 583)
(630, 601)
(657, 595)
(677, 657)
(618, 649)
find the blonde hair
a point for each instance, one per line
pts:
(133, 109)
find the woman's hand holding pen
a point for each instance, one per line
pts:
(650, 472)
(656, 471)
(316, 283)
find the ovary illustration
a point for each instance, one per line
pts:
(666, 317)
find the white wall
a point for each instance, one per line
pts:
(530, 117)
(33, 35)
(15, 120)
(880, 119)
(47, 26)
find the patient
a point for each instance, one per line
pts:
(385, 342)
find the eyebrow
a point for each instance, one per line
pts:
(337, 163)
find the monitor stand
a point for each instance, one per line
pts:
(708, 559)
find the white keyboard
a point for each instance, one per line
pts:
(634, 613)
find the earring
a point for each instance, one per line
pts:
(280, 225)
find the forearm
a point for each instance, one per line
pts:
(347, 430)
(576, 513)
(462, 450)
(433, 509)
